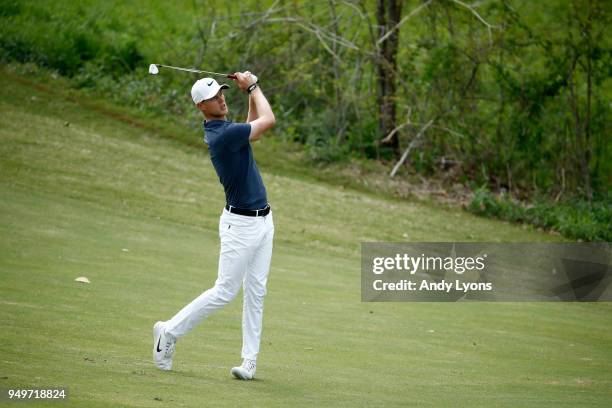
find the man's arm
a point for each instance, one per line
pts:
(265, 117)
(252, 111)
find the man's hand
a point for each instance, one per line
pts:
(245, 79)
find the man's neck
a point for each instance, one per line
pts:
(211, 118)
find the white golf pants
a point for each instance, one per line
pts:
(246, 251)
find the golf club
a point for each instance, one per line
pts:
(154, 70)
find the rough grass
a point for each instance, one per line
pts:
(85, 194)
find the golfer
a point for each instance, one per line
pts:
(246, 229)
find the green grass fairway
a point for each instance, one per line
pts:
(84, 194)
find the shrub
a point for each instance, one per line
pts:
(574, 218)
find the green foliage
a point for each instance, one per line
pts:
(9, 8)
(66, 43)
(512, 106)
(576, 219)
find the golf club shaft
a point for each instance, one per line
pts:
(198, 71)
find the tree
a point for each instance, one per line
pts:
(388, 13)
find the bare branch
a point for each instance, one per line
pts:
(265, 15)
(387, 138)
(354, 7)
(482, 20)
(427, 3)
(317, 33)
(315, 29)
(403, 20)
(489, 26)
(451, 131)
(410, 146)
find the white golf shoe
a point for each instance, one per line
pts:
(246, 371)
(163, 347)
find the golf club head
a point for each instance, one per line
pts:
(153, 70)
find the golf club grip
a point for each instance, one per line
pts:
(231, 76)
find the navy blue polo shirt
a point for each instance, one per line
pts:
(232, 157)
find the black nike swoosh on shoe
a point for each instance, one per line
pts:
(158, 341)
(210, 83)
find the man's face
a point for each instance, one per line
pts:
(214, 107)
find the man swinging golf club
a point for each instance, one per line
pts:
(245, 228)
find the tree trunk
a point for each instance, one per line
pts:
(388, 13)
(587, 120)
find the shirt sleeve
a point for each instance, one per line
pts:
(236, 135)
